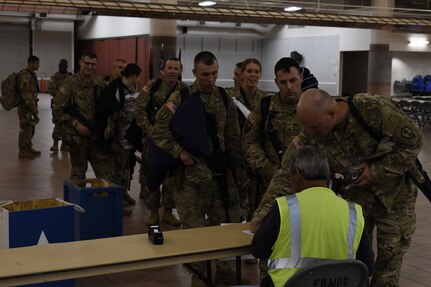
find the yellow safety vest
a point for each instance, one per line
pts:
(315, 226)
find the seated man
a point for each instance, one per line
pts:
(310, 225)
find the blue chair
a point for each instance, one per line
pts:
(346, 273)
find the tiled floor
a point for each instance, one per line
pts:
(43, 178)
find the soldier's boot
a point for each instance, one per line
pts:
(128, 198)
(169, 218)
(25, 154)
(64, 147)
(196, 282)
(153, 219)
(35, 152)
(127, 212)
(54, 147)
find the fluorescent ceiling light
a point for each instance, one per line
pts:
(418, 42)
(292, 8)
(207, 3)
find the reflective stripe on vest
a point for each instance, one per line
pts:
(296, 261)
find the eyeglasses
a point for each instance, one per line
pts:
(89, 63)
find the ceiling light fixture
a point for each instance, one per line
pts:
(207, 3)
(418, 42)
(292, 9)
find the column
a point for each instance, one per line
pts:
(162, 39)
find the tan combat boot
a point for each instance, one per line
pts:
(127, 212)
(154, 218)
(169, 218)
(35, 152)
(64, 147)
(54, 147)
(127, 198)
(25, 154)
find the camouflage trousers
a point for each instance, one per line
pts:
(395, 228)
(199, 202)
(83, 151)
(56, 132)
(152, 199)
(27, 127)
(122, 164)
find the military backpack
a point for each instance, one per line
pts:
(10, 96)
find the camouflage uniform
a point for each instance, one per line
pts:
(259, 149)
(389, 202)
(199, 193)
(79, 93)
(122, 151)
(27, 108)
(250, 103)
(152, 199)
(54, 84)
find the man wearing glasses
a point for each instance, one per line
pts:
(74, 103)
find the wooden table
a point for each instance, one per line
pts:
(117, 254)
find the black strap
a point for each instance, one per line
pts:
(153, 107)
(264, 108)
(354, 111)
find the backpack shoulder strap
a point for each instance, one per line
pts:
(354, 111)
(264, 108)
(184, 94)
(223, 95)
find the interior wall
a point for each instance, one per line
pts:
(406, 65)
(50, 47)
(133, 50)
(228, 51)
(14, 50)
(321, 56)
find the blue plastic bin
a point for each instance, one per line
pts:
(35, 222)
(102, 202)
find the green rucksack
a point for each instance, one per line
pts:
(10, 97)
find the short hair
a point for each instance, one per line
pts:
(175, 59)
(250, 60)
(32, 59)
(284, 64)
(205, 57)
(89, 54)
(239, 65)
(131, 70)
(311, 163)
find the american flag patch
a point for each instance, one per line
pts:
(170, 105)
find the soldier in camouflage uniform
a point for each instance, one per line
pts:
(149, 101)
(75, 105)
(249, 95)
(387, 195)
(237, 75)
(114, 113)
(54, 84)
(198, 197)
(28, 89)
(269, 131)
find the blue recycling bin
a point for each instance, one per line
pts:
(102, 202)
(37, 222)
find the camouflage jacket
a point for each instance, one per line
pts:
(388, 160)
(250, 103)
(28, 88)
(55, 82)
(79, 94)
(143, 100)
(258, 142)
(227, 126)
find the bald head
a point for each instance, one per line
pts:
(315, 110)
